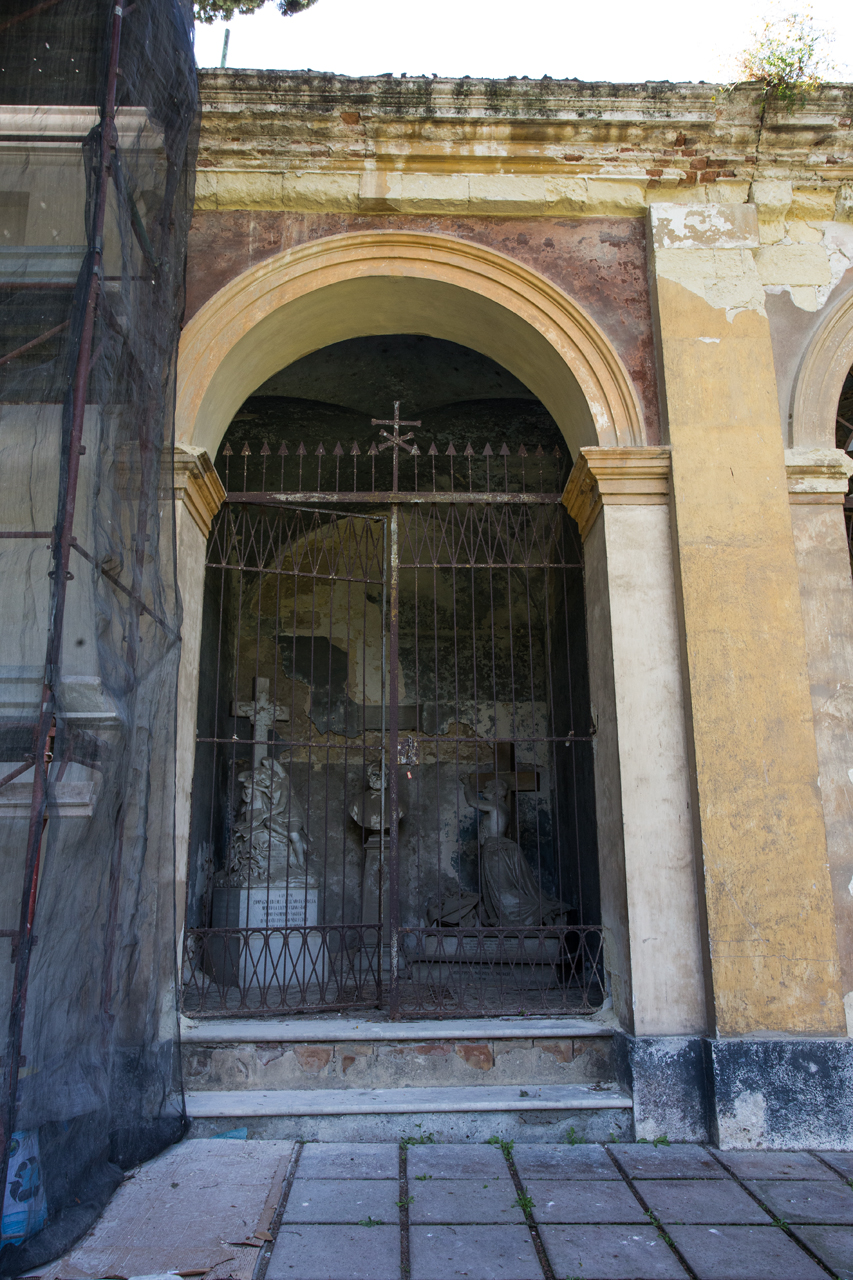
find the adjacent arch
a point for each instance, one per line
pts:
(817, 390)
(355, 285)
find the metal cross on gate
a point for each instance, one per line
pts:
(396, 440)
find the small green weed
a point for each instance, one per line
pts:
(404, 1204)
(505, 1146)
(524, 1202)
(423, 1177)
(574, 1139)
(780, 1222)
(421, 1140)
(662, 1141)
(370, 1222)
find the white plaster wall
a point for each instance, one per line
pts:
(660, 874)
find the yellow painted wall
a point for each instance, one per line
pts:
(773, 950)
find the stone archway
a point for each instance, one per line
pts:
(399, 282)
(371, 284)
(820, 379)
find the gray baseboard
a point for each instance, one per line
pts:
(775, 1092)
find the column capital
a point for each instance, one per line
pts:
(817, 476)
(634, 477)
(197, 485)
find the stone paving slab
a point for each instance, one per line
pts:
(349, 1160)
(478, 1253)
(190, 1208)
(841, 1162)
(704, 1200)
(585, 1202)
(806, 1201)
(774, 1164)
(558, 1160)
(457, 1160)
(343, 1200)
(455, 1200)
(610, 1253)
(686, 1160)
(833, 1245)
(743, 1253)
(335, 1253)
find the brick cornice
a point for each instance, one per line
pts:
(634, 477)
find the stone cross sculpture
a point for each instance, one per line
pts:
(511, 894)
(263, 715)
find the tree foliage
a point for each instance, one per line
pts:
(788, 55)
(211, 10)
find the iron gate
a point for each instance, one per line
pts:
(393, 796)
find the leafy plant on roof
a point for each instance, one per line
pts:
(211, 10)
(788, 56)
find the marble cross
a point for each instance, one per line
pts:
(263, 715)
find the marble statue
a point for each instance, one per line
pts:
(366, 809)
(269, 840)
(453, 908)
(511, 894)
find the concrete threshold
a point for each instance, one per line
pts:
(239, 1103)
(326, 1029)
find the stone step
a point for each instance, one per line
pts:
(374, 1024)
(322, 1054)
(545, 1113)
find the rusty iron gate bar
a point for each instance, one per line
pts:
(269, 963)
(440, 967)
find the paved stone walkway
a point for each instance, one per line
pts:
(423, 1211)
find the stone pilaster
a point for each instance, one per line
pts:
(817, 484)
(768, 898)
(199, 494)
(650, 901)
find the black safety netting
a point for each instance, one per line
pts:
(98, 127)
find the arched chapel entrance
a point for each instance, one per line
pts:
(397, 600)
(574, 908)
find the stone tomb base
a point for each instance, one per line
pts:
(251, 957)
